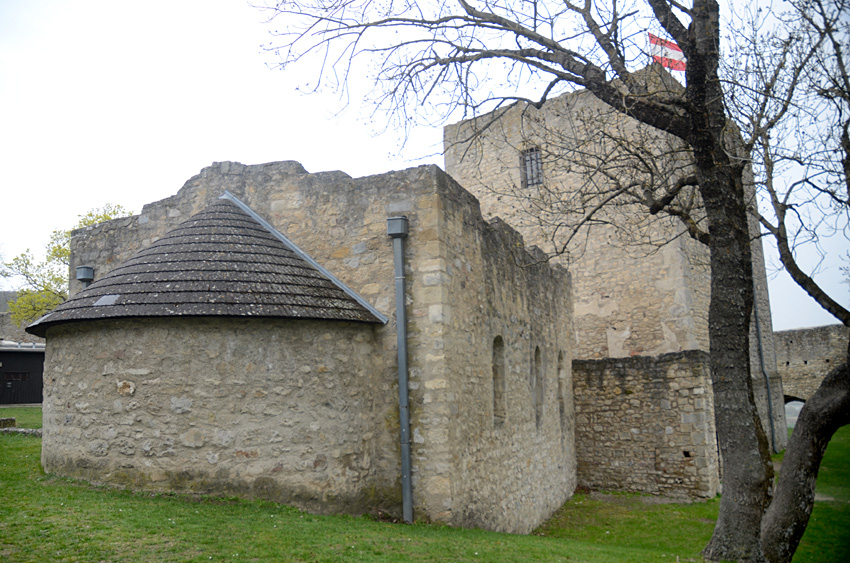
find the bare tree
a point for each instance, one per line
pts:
(464, 58)
(789, 91)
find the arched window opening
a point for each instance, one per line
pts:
(498, 381)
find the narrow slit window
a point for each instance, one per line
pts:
(498, 381)
(562, 404)
(532, 167)
(537, 391)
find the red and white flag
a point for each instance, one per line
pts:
(666, 53)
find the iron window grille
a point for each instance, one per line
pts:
(16, 376)
(532, 167)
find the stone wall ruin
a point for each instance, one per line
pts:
(647, 425)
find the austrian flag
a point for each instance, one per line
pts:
(666, 53)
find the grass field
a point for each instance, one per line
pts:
(46, 518)
(25, 417)
(828, 535)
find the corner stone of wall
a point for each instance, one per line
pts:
(646, 424)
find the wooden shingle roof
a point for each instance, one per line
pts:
(224, 261)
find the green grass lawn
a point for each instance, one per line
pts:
(828, 535)
(46, 518)
(25, 417)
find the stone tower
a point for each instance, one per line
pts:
(641, 284)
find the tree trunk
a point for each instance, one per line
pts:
(747, 473)
(824, 413)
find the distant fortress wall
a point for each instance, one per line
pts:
(804, 356)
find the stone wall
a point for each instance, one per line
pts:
(294, 411)
(9, 330)
(512, 451)
(469, 282)
(806, 355)
(646, 424)
(767, 380)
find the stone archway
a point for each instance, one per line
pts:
(792, 409)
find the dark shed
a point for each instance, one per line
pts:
(21, 372)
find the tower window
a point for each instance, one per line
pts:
(532, 167)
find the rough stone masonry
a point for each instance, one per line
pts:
(305, 411)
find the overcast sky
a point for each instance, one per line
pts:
(122, 102)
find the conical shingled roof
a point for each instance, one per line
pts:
(223, 261)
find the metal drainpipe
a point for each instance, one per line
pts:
(764, 371)
(397, 229)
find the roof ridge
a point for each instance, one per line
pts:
(309, 259)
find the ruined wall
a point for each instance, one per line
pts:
(511, 448)
(646, 424)
(464, 289)
(806, 355)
